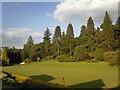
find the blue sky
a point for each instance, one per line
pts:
(21, 19)
(30, 15)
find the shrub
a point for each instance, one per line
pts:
(27, 60)
(80, 53)
(35, 55)
(98, 54)
(38, 59)
(112, 57)
(64, 58)
(49, 58)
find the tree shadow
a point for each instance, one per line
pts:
(91, 84)
(43, 77)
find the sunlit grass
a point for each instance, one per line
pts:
(72, 72)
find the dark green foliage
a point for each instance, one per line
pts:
(91, 43)
(46, 40)
(24, 54)
(30, 40)
(90, 25)
(81, 54)
(14, 55)
(70, 38)
(47, 35)
(56, 40)
(35, 56)
(64, 49)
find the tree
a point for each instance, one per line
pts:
(91, 34)
(5, 59)
(30, 40)
(46, 41)
(80, 53)
(108, 31)
(64, 46)
(83, 38)
(29, 44)
(98, 54)
(56, 39)
(47, 35)
(24, 54)
(70, 38)
(90, 25)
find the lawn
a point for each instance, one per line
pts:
(74, 74)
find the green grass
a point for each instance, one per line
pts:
(74, 73)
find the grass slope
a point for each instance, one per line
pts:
(74, 74)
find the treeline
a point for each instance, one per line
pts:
(93, 44)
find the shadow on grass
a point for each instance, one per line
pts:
(43, 77)
(91, 84)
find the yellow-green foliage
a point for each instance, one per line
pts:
(5, 59)
(20, 79)
(112, 57)
(64, 58)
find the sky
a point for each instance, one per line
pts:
(22, 19)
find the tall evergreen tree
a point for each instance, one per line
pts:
(108, 31)
(56, 39)
(47, 35)
(107, 24)
(46, 39)
(90, 25)
(27, 46)
(30, 40)
(70, 37)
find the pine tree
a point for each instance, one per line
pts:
(108, 31)
(70, 38)
(90, 25)
(47, 42)
(56, 39)
(47, 35)
(30, 40)
(107, 24)
(64, 49)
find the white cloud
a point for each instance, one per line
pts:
(48, 14)
(18, 36)
(78, 11)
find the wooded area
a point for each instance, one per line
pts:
(93, 44)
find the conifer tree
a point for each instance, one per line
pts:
(56, 39)
(90, 25)
(108, 31)
(70, 37)
(47, 42)
(47, 35)
(30, 40)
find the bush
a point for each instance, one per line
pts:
(27, 60)
(80, 54)
(112, 57)
(49, 58)
(64, 58)
(35, 55)
(98, 54)
(38, 59)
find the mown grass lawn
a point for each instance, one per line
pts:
(76, 74)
